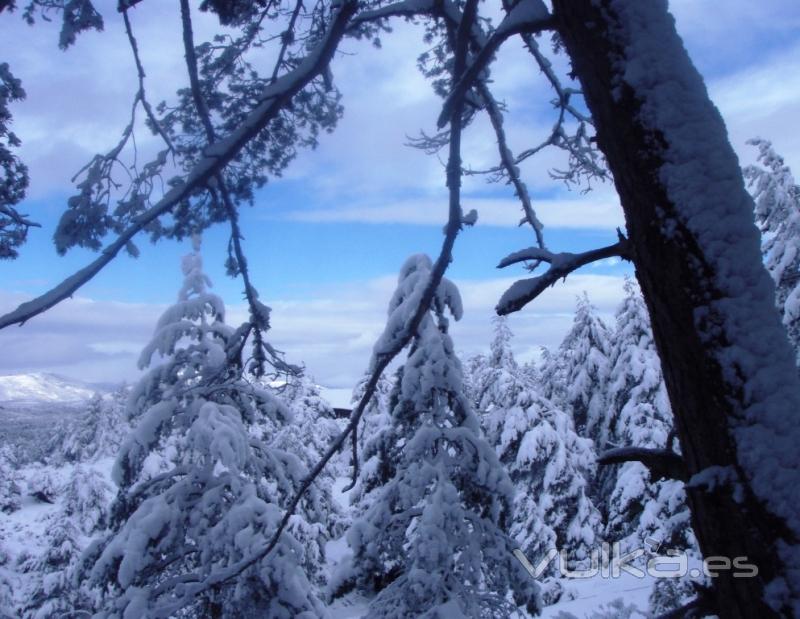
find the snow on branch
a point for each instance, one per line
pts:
(524, 291)
(407, 8)
(662, 463)
(274, 97)
(529, 16)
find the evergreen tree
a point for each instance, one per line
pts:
(777, 203)
(54, 592)
(474, 369)
(10, 481)
(375, 441)
(86, 498)
(433, 544)
(583, 368)
(219, 499)
(548, 462)
(312, 428)
(636, 506)
(376, 414)
(550, 376)
(99, 433)
(41, 484)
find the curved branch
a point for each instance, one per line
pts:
(662, 463)
(524, 291)
(272, 100)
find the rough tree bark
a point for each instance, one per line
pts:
(678, 277)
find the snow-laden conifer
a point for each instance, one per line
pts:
(474, 368)
(548, 462)
(313, 426)
(583, 369)
(53, 590)
(375, 441)
(642, 511)
(777, 203)
(216, 499)
(86, 498)
(96, 434)
(434, 543)
(637, 506)
(10, 481)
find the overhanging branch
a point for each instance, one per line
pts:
(272, 100)
(662, 463)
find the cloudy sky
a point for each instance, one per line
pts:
(326, 240)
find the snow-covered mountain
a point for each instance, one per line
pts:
(42, 387)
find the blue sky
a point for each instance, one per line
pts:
(325, 241)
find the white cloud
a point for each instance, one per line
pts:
(592, 211)
(80, 337)
(332, 333)
(763, 101)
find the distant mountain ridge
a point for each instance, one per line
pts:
(45, 388)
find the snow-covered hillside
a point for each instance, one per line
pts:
(42, 387)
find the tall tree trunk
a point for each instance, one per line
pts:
(727, 364)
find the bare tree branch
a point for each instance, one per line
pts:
(140, 95)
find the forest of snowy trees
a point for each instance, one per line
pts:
(175, 482)
(221, 484)
(458, 470)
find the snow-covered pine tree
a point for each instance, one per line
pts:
(42, 485)
(433, 544)
(474, 368)
(637, 507)
(53, 590)
(7, 602)
(376, 466)
(777, 209)
(218, 500)
(639, 416)
(10, 481)
(96, 434)
(550, 376)
(313, 422)
(547, 461)
(376, 414)
(312, 428)
(86, 498)
(583, 368)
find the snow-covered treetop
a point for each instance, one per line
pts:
(197, 317)
(501, 343)
(411, 283)
(775, 192)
